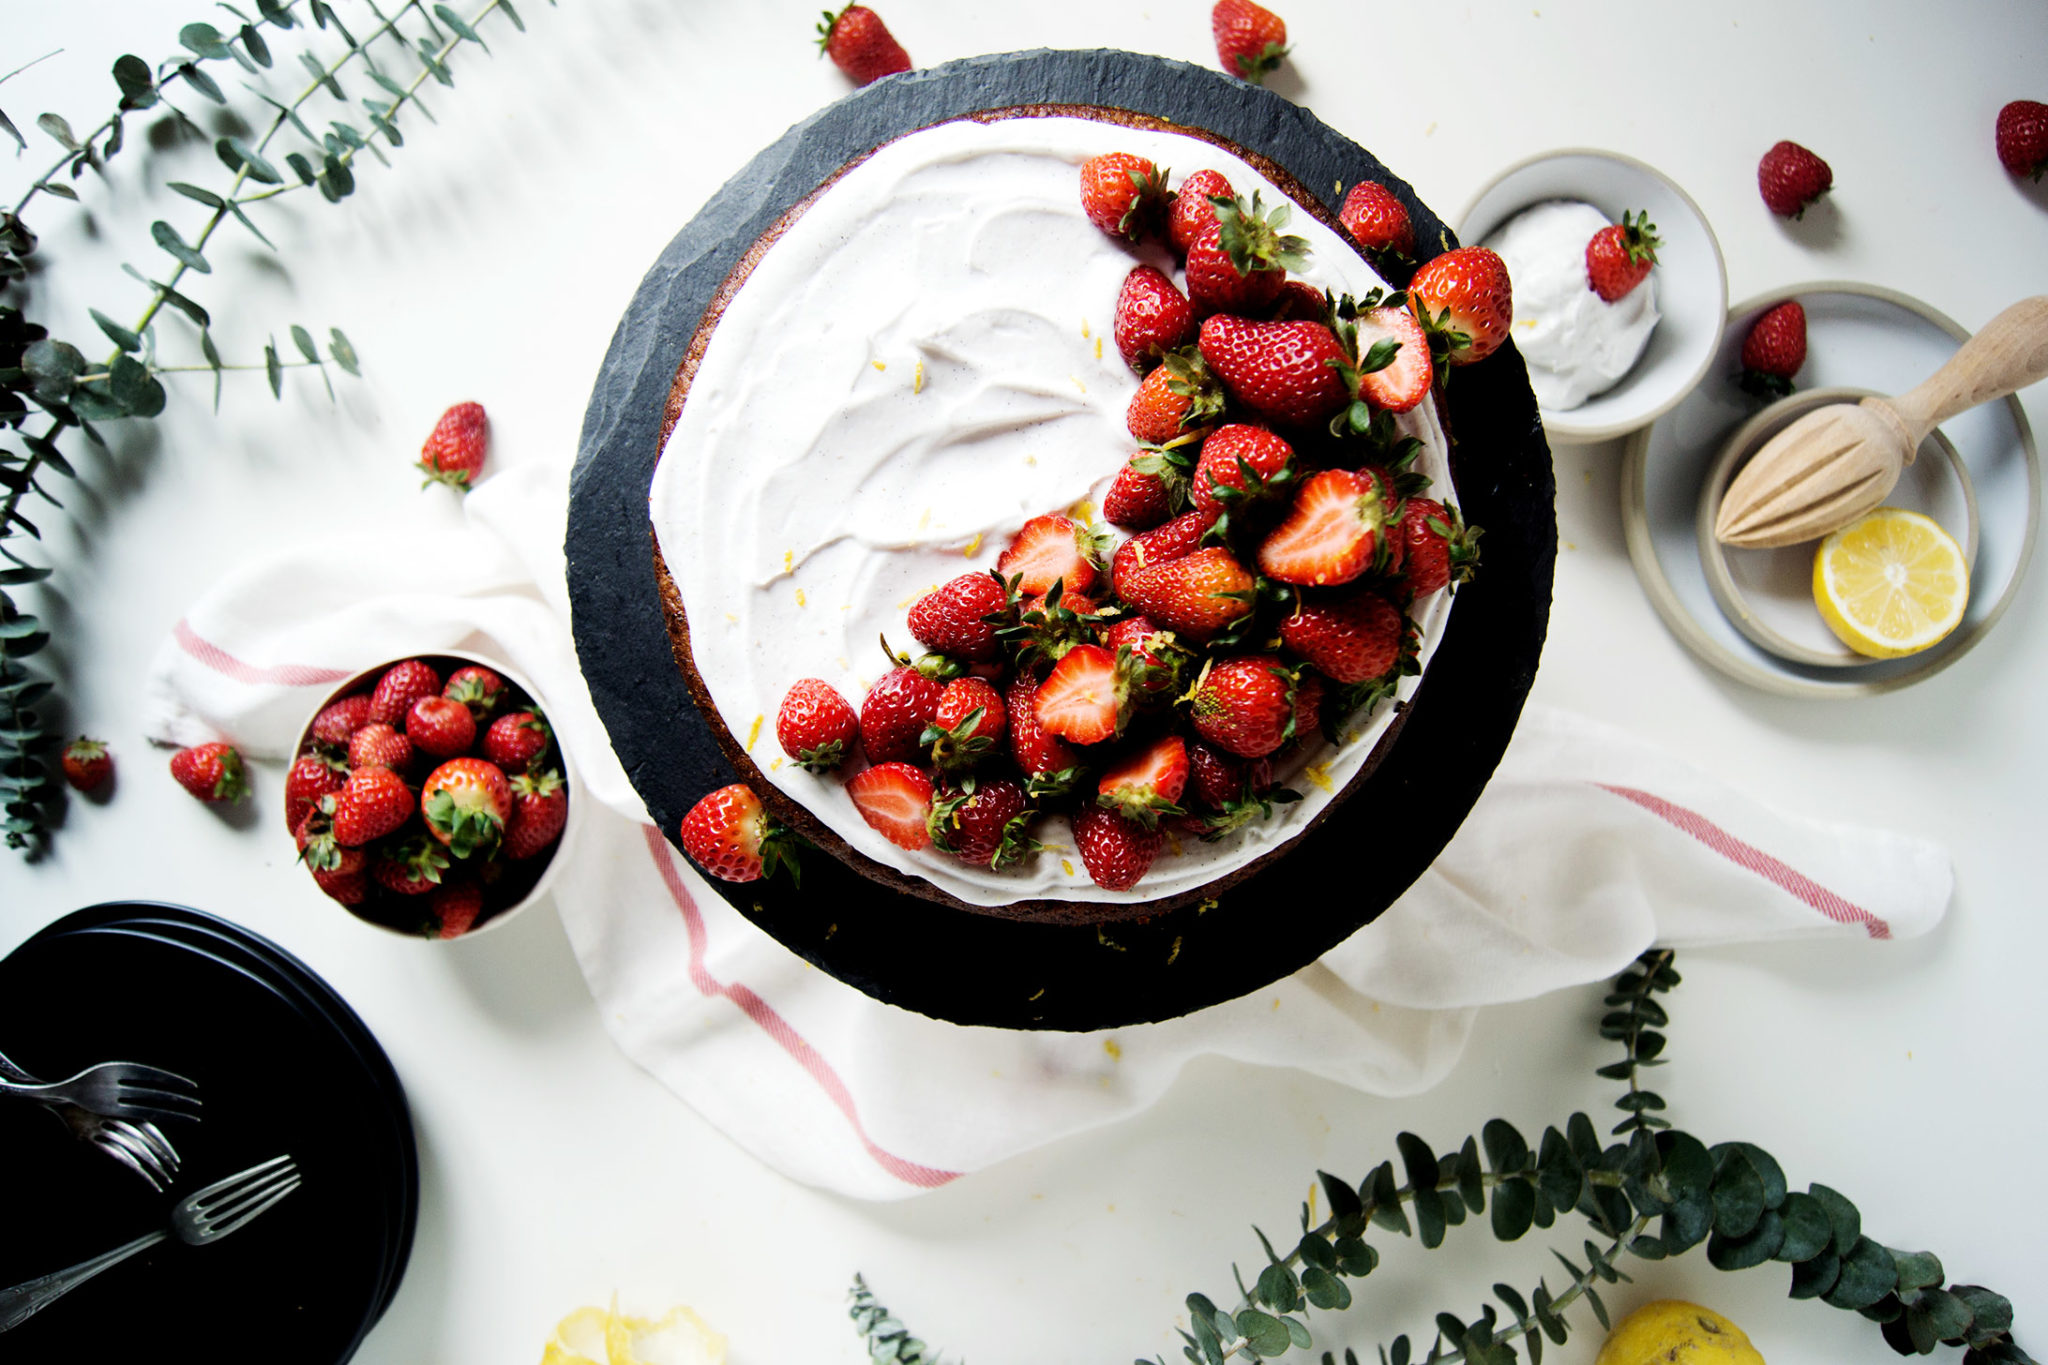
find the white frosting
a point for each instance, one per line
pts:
(920, 364)
(1577, 343)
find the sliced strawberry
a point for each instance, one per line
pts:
(1198, 594)
(1079, 700)
(1397, 378)
(1117, 852)
(1331, 534)
(895, 799)
(1146, 786)
(1048, 550)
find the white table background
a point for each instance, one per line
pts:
(492, 263)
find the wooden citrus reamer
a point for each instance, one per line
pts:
(1837, 462)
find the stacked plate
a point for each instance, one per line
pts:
(283, 1066)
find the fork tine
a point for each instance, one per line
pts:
(107, 1143)
(151, 1137)
(198, 1197)
(153, 1094)
(156, 1076)
(111, 1136)
(247, 1216)
(227, 1206)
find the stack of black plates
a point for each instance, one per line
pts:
(283, 1066)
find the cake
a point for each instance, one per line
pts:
(910, 364)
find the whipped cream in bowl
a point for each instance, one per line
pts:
(1577, 343)
(919, 362)
(1601, 370)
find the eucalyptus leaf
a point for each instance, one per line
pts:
(1346, 1208)
(1917, 1269)
(1429, 1217)
(1740, 1253)
(1420, 1162)
(116, 333)
(345, 356)
(459, 24)
(201, 82)
(1514, 1208)
(1297, 1330)
(203, 39)
(1848, 1223)
(56, 127)
(248, 158)
(273, 369)
(1356, 1257)
(138, 87)
(1267, 1334)
(58, 188)
(1807, 1229)
(1505, 1148)
(520, 24)
(1386, 1201)
(1738, 1196)
(276, 13)
(167, 237)
(1867, 1275)
(253, 44)
(204, 196)
(1315, 1250)
(1766, 1167)
(1947, 1313)
(1325, 1290)
(303, 339)
(301, 167)
(320, 73)
(1278, 1288)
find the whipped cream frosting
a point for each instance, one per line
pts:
(918, 365)
(1577, 344)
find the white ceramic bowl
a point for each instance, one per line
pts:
(1692, 281)
(445, 661)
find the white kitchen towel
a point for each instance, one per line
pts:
(1588, 846)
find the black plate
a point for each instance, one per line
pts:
(970, 968)
(297, 981)
(311, 1276)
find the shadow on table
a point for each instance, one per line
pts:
(523, 974)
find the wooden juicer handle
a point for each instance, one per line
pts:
(2010, 353)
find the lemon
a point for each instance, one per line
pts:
(1891, 583)
(1672, 1332)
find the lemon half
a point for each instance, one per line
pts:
(1891, 583)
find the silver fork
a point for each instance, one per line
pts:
(118, 1090)
(200, 1217)
(141, 1147)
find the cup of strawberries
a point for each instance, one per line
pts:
(429, 796)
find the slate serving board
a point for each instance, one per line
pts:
(973, 969)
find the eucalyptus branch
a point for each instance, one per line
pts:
(1631, 1015)
(888, 1341)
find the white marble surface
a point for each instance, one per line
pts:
(492, 263)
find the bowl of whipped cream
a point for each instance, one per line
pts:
(1602, 367)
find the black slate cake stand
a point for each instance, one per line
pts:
(974, 969)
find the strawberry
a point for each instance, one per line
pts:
(1116, 852)
(1790, 177)
(377, 745)
(1239, 462)
(1080, 700)
(1310, 691)
(453, 908)
(1152, 487)
(1152, 318)
(455, 449)
(515, 740)
(371, 804)
(1620, 255)
(540, 808)
(338, 721)
(1398, 378)
(312, 776)
(967, 725)
(2022, 138)
(1050, 625)
(860, 44)
(1179, 396)
(1192, 212)
(731, 837)
(954, 618)
(211, 772)
(440, 727)
(815, 726)
(1145, 787)
(343, 873)
(1156, 659)
(1774, 350)
(401, 686)
(1251, 40)
(1285, 372)
(1122, 194)
(1215, 778)
(87, 763)
(1046, 761)
(1048, 550)
(1197, 595)
(1183, 535)
(895, 799)
(1300, 301)
(1240, 262)
(1348, 638)
(895, 712)
(1440, 548)
(478, 688)
(1378, 220)
(1465, 303)
(987, 822)
(1245, 705)
(466, 802)
(411, 867)
(1332, 533)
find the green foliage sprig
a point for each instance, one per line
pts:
(50, 381)
(889, 1342)
(1733, 1197)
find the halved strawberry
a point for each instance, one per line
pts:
(1146, 786)
(1048, 550)
(1330, 535)
(1080, 699)
(1285, 372)
(895, 799)
(1117, 852)
(1152, 318)
(1395, 379)
(1198, 594)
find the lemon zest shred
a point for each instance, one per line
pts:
(800, 598)
(1116, 1053)
(754, 731)
(917, 380)
(880, 366)
(972, 546)
(1319, 774)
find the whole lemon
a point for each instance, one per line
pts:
(1672, 1332)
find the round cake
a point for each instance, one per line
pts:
(913, 362)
